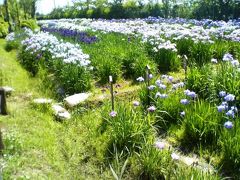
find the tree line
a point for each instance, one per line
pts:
(16, 13)
(196, 9)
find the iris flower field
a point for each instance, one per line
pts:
(176, 87)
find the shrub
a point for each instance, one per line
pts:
(30, 23)
(10, 45)
(167, 60)
(3, 28)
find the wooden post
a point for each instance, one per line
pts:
(185, 66)
(3, 104)
(111, 89)
(148, 84)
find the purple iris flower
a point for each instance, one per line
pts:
(222, 93)
(150, 76)
(228, 125)
(221, 108)
(136, 103)
(151, 87)
(162, 86)
(184, 101)
(151, 109)
(229, 97)
(230, 113)
(159, 145)
(113, 114)
(228, 57)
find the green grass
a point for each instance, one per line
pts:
(37, 146)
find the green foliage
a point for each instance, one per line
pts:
(220, 48)
(202, 124)
(202, 9)
(127, 129)
(229, 142)
(72, 78)
(200, 80)
(11, 45)
(117, 55)
(200, 54)
(167, 60)
(29, 61)
(184, 46)
(170, 109)
(209, 80)
(3, 28)
(12, 145)
(153, 163)
(108, 67)
(30, 23)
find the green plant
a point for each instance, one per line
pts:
(153, 163)
(28, 60)
(10, 45)
(127, 128)
(12, 144)
(3, 28)
(184, 46)
(207, 81)
(229, 142)
(169, 110)
(108, 67)
(167, 60)
(200, 54)
(74, 78)
(202, 81)
(30, 23)
(202, 124)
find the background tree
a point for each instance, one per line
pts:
(198, 9)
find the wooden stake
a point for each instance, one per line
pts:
(3, 104)
(185, 66)
(111, 89)
(148, 84)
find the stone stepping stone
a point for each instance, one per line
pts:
(187, 160)
(8, 90)
(60, 112)
(64, 115)
(76, 99)
(42, 101)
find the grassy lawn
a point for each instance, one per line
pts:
(36, 145)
